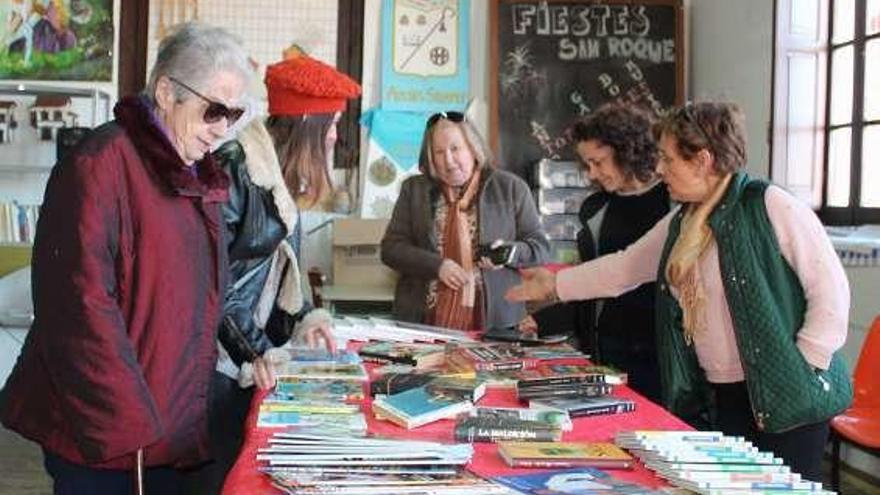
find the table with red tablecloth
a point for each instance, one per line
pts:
(244, 478)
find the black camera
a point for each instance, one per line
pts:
(499, 253)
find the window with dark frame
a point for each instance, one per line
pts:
(851, 185)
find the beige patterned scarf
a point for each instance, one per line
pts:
(455, 308)
(682, 270)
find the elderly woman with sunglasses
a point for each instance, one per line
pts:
(128, 280)
(443, 217)
(274, 165)
(751, 304)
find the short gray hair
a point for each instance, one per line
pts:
(482, 153)
(193, 53)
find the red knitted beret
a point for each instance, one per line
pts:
(302, 85)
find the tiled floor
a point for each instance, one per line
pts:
(21, 463)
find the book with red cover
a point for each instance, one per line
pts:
(490, 358)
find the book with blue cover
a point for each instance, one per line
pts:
(577, 481)
(417, 406)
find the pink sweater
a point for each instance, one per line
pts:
(804, 245)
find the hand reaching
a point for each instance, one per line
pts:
(528, 324)
(538, 284)
(264, 373)
(320, 331)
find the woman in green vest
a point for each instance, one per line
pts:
(752, 302)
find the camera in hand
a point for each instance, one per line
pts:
(499, 253)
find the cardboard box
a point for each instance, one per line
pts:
(356, 253)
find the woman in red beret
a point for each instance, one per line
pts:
(275, 166)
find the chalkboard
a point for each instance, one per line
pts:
(554, 61)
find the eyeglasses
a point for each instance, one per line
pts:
(450, 116)
(215, 110)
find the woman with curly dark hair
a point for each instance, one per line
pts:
(619, 153)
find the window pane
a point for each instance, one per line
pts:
(872, 17)
(841, 85)
(872, 79)
(839, 167)
(844, 20)
(871, 167)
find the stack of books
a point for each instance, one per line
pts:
(709, 462)
(551, 382)
(315, 391)
(495, 424)
(564, 455)
(317, 464)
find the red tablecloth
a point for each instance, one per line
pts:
(245, 479)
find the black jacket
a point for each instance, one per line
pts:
(254, 230)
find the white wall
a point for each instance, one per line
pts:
(730, 58)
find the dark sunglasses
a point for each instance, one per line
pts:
(450, 116)
(215, 110)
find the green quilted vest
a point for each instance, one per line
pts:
(767, 307)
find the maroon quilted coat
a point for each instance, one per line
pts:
(127, 275)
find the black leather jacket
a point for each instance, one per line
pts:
(254, 230)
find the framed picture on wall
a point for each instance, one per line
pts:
(69, 40)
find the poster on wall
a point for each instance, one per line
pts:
(425, 55)
(69, 40)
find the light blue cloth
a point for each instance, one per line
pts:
(398, 133)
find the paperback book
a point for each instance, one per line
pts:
(417, 407)
(477, 429)
(494, 357)
(546, 392)
(568, 374)
(556, 417)
(564, 454)
(418, 355)
(588, 406)
(577, 481)
(288, 389)
(305, 370)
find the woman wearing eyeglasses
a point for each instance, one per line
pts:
(443, 217)
(274, 166)
(128, 280)
(752, 301)
(619, 154)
